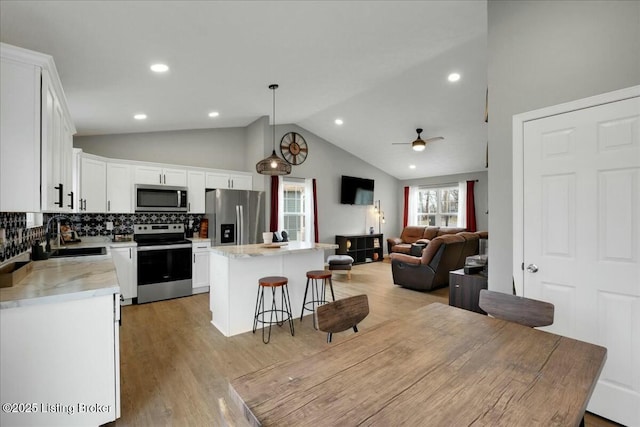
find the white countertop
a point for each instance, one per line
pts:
(247, 251)
(63, 279)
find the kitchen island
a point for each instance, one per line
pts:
(59, 344)
(235, 271)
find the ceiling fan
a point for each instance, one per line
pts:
(419, 144)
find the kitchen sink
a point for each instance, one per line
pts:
(68, 252)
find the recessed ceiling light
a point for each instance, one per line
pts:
(160, 68)
(412, 166)
(140, 116)
(339, 122)
(214, 114)
(454, 77)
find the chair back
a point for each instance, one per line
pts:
(342, 314)
(525, 311)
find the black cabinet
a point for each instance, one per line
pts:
(464, 290)
(361, 247)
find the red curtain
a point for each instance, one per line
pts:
(405, 214)
(315, 212)
(273, 222)
(471, 207)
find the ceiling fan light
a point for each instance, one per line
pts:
(418, 145)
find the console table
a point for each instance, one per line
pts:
(361, 247)
(464, 290)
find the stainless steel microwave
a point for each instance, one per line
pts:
(160, 198)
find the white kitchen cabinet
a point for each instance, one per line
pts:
(196, 190)
(229, 181)
(93, 188)
(119, 188)
(19, 136)
(56, 150)
(156, 175)
(62, 357)
(125, 261)
(36, 145)
(200, 271)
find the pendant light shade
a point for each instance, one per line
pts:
(273, 165)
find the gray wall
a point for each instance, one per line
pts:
(543, 53)
(480, 192)
(241, 148)
(223, 148)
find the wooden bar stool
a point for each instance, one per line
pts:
(273, 282)
(318, 291)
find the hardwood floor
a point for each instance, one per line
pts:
(175, 366)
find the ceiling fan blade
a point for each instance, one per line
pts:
(400, 143)
(435, 138)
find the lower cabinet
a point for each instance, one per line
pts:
(464, 290)
(200, 272)
(61, 362)
(125, 260)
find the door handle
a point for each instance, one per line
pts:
(108, 205)
(532, 268)
(70, 195)
(60, 189)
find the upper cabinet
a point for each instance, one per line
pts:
(160, 176)
(37, 131)
(229, 181)
(119, 188)
(93, 188)
(19, 136)
(196, 190)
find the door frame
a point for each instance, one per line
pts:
(518, 123)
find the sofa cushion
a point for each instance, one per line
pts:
(430, 233)
(450, 230)
(412, 233)
(434, 245)
(403, 248)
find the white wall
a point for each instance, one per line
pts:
(258, 140)
(480, 192)
(543, 53)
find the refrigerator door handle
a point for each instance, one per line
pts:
(237, 233)
(242, 242)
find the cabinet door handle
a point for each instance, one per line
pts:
(194, 258)
(108, 205)
(85, 204)
(70, 195)
(60, 189)
(129, 253)
(189, 206)
(165, 179)
(160, 177)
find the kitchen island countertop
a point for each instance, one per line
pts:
(246, 251)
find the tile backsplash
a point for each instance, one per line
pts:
(94, 224)
(18, 238)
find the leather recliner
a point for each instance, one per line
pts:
(431, 270)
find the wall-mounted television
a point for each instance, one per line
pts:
(356, 191)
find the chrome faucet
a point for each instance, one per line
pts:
(47, 246)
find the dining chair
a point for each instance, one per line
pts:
(342, 314)
(525, 311)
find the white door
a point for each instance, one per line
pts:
(195, 194)
(581, 230)
(174, 177)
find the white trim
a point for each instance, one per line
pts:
(518, 163)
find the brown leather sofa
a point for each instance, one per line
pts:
(443, 254)
(417, 234)
(431, 270)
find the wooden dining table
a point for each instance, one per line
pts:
(435, 366)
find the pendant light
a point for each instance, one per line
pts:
(273, 165)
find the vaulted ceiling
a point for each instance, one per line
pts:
(380, 66)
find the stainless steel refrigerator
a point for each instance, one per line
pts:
(236, 217)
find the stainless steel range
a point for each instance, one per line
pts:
(164, 262)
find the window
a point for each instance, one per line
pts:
(437, 206)
(294, 212)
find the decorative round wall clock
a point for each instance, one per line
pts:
(294, 148)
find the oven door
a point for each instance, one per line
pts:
(164, 272)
